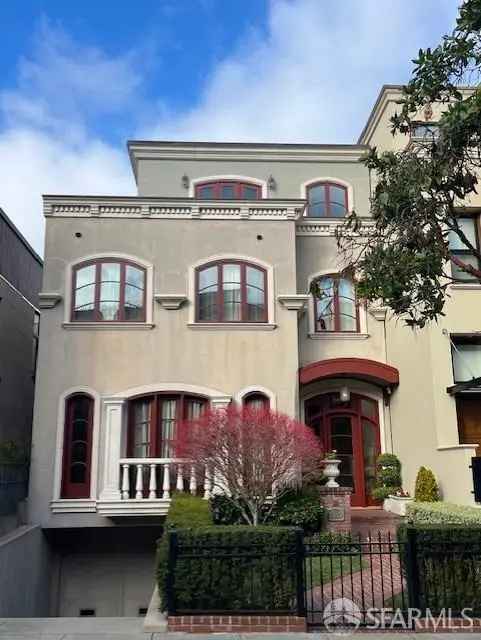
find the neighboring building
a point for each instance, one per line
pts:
(20, 280)
(196, 291)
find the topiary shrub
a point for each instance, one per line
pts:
(426, 489)
(442, 513)
(388, 476)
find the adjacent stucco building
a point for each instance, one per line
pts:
(196, 291)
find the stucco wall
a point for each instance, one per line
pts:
(24, 574)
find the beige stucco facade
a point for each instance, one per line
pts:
(169, 232)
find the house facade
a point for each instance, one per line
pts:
(20, 281)
(196, 292)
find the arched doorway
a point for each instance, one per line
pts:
(352, 429)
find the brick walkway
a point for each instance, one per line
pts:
(379, 580)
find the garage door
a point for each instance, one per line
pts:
(105, 585)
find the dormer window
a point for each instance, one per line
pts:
(327, 200)
(228, 190)
(108, 290)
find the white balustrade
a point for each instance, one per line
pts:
(155, 478)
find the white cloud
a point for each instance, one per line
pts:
(47, 144)
(315, 73)
(312, 75)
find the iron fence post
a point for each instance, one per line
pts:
(170, 596)
(301, 589)
(412, 569)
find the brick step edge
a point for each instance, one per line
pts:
(235, 624)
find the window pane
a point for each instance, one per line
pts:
(232, 292)
(84, 293)
(255, 277)
(325, 305)
(134, 276)
(468, 227)
(208, 289)
(337, 195)
(256, 402)
(337, 210)
(78, 473)
(346, 288)
(460, 274)
(249, 193)
(109, 291)
(316, 197)
(194, 409)
(142, 418)
(347, 307)
(466, 362)
(255, 305)
(205, 193)
(227, 191)
(347, 323)
(168, 420)
(368, 408)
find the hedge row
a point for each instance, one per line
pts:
(442, 513)
(229, 568)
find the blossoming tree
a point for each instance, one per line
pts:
(250, 456)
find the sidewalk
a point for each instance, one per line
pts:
(131, 629)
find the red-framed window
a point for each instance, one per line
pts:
(231, 291)
(153, 422)
(108, 290)
(327, 200)
(256, 401)
(77, 447)
(228, 190)
(336, 308)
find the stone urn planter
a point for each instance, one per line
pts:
(331, 471)
(397, 504)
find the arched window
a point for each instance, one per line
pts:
(77, 448)
(231, 291)
(228, 190)
(108, 290)
(327, 200)
(257, 401)
(336, 308)
(153, 421)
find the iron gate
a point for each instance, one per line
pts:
(354, 582)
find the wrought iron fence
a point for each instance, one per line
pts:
(245, 578)
(13, 486)
(350, 582)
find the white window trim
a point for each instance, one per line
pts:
(362, 333)
(235, 178)
(214, 395)
(68, 287)
(240, 395)
(343, 183)
(84, 504)
(230, 256)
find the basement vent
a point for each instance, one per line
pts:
(86, 613)
(142, 611)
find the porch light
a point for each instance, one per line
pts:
(185, 181)
(271, 183)
(344, 394)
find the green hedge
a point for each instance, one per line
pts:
(420, 513)
(230, 568)
(188, 511)
(449, 566)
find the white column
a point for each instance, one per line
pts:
(166, 482)
(180, 478)
(193, 481)
(153, 482)
(139, 485)
(125, 482)
(112, 417)
(207, 484)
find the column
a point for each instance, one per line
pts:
(112, 419)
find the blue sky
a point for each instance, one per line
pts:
(77, 79)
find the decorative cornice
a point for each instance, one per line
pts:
(377, 312)
(48, 300)
(323, 226)
(232, 326)
(294, 301)
(171, 208)
(107, 326)
(170, 301)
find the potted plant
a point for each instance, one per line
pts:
(331, 469)
(398, 501)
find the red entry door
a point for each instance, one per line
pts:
(352, 430)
